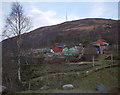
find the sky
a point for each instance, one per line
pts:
(52, 13)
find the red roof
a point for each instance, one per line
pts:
(101, 42)
(57, 49)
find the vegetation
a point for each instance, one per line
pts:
(75, 78)
(35, 76)
(73, 73)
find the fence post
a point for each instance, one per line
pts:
(93, 61)
(111, 58)
(29, 85)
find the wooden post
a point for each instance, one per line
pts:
(29, 85)
(26, 61)
(101, 50)
(93, 61)
(82, 50)
(111, 58)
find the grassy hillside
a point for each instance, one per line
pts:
(82, 31)
(82, 75)
(108, 77)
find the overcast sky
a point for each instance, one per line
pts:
(51, 13)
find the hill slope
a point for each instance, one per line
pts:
(68, 32)
(85, 31)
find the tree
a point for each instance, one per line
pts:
(17, 23)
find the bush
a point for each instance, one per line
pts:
(83, 58)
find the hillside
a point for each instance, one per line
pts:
(91, 80)
(84, 30)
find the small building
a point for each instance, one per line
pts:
(101, 45)
(58, 48)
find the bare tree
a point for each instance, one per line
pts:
(17, 23)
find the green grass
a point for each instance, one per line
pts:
(108, 77)
(104, 76)
(38, 91)
(45, 69)
(57, 75)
